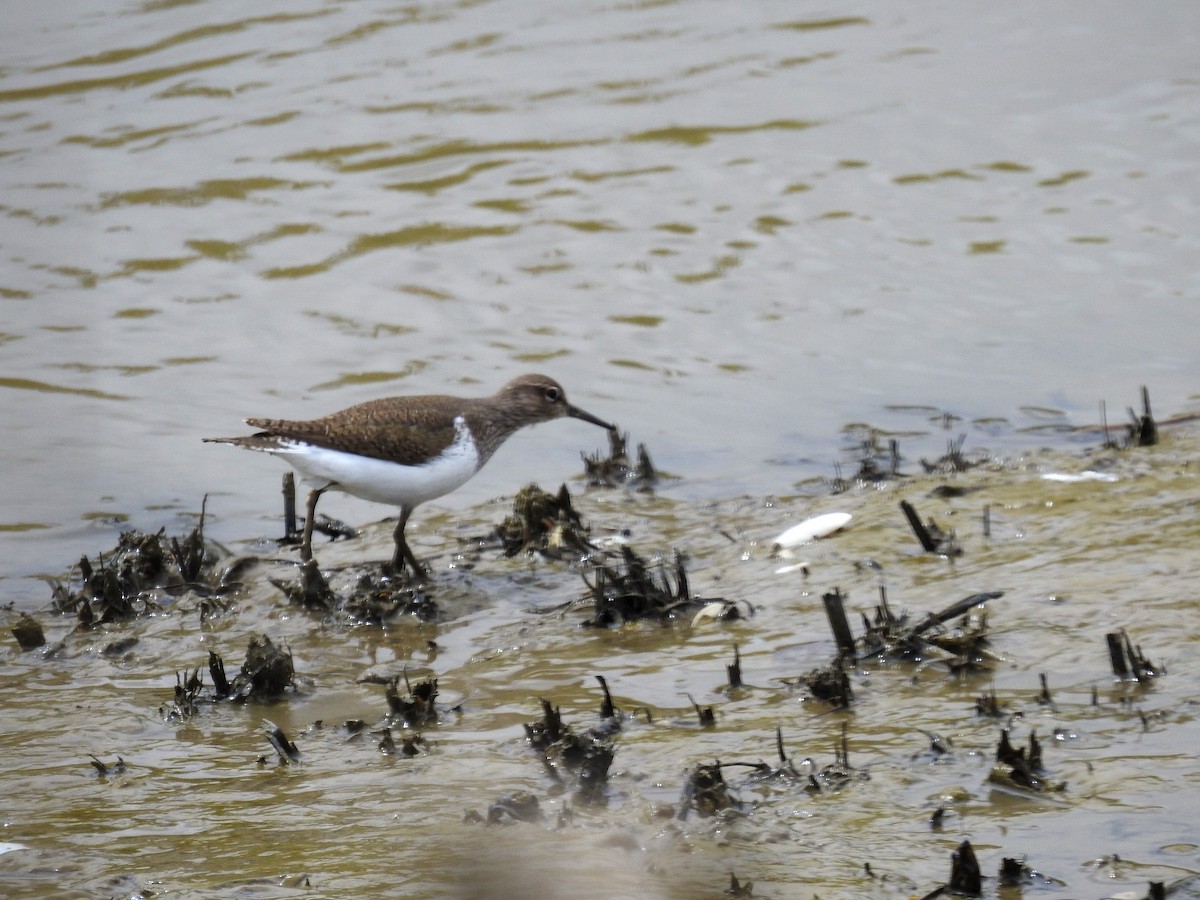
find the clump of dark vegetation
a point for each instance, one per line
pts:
(933, 539)
(28, 632)
(130, 581)
(835, 776)
(966, 878)
(1021, 769)
(1128, 661)
(1142, 431)
(411, 743)
(739, 888)
(630, 590)
(375, 598)
(876, 462)
(621, 586)
(888, 636)
(416, 707)
(953, 461)
(616, 470)
(509, 809)
(966, 875)
(582, 756)
(104, 770)
(988, 705)
(266, 673)
(546, 524)
(830, 684)
(706, 793)
(805, 776)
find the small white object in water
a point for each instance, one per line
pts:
(802, 566)
(1089, 475)
(810, 530)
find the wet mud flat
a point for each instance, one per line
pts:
(961, 675)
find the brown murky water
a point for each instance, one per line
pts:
(733, 232)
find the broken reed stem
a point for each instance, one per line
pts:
(836, 612)
(734, 669)
(1116, 654)
(1147, 428)
(918, 527)
(289, 505)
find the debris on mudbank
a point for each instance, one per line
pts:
(953, 461)
(739, 888)
(544, 523)
(965, 876)
(1017, 873)
(988, 705)
(1128, 661)
(805, 776)
(28, 632)
(105, 770)
(374, 599)
(706, 717)
(933, 539)
(897, 637)
(416, 707)
(509, 809)
(875, 464)
(129, 582)
(312, 591)
(706, 792)
(1021, 770)
(1142, 431)
(631, 590)
(733, 670)
(830, 684)
(616, 470)
(287, 752)
(266, 674)
(585, 756)
(838, 774)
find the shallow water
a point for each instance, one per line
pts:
(752, 238)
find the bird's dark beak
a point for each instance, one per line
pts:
(577, 413)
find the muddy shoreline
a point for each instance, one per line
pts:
(651, 705)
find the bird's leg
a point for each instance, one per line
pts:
(310, 515)
(403, 553)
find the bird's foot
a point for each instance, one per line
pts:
(405, 563)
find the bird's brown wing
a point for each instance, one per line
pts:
(381, 429)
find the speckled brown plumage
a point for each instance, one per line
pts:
(411, 430)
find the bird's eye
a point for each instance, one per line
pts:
(553, 394)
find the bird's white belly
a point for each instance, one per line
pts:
(382, 481)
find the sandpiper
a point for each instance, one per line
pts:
(406, 450)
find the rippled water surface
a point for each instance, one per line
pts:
(751, 236)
